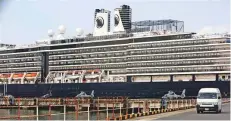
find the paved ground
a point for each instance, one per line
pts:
(190, 114)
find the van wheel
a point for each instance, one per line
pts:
(198, 111)
(219, 111)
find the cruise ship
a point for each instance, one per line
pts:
(143, 59)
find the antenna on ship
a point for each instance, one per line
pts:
(50, 33)
(61, 30)
(79, 32)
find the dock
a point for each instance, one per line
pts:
(119, 108)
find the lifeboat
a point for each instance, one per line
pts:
(73, 76)
(17, 77)
(92, 74)
(4, 78)
(30, 77)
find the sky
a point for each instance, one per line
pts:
(25, 21)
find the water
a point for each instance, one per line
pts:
(71, 115)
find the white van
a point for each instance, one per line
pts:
(209, 99)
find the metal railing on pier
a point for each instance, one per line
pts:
(92, 109)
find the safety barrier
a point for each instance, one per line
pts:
(173, 105)
(114, 109)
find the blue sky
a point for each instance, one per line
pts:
(25, 21)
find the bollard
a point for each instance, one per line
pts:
(67, 101)
(37, 114)
(177, 105)
(147, 109)
(186, 104)
(18, 108)
(138, 107)
(144, 107)
(49, 112)
(76, 109)
(120, 110)
(126, 108)
(98, 109)
(107, 111)
(150, 106)
(64, 111)
(132, 107)
(88, 111)
(113, 111)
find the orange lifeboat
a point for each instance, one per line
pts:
(5, 75)
(31, 75)
(18, 75)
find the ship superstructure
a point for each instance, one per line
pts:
(143, 51)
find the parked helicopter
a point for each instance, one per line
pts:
(173, 95)
(47, 95)
(84, 95)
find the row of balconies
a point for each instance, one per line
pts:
(175, 43)
(80, 51)
(19, 55)
(127, 59)
(178, 63)
(19, 60)
(11, 70)
(121, 60)
(142, 52)
(86, 67)
(88, 56)
(139, 69)
(120, 68)
(19, 65)
(179, 56)
(116, 66)
(180, 69)
(117, 48)
(118, 54)
(183, 49)
(139, 46)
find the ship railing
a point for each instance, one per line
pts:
(211, 35)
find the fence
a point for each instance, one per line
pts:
(87, 109)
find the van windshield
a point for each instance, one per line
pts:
(207, 96)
